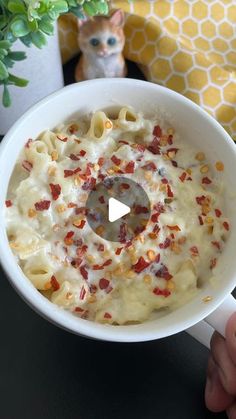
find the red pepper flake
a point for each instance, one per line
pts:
(200, 199)
(183, 176)
(42, 205)
(79, 310)
(104, 283)
(125, 186)
(68, 238)
(172, 150)
(174, 163)
(101, 161)
(82, 153)
(154, 147)
(158, 257)
(84, 272)
(200, 220)
(76, 262)
(149, 166)
(164, 292)
(123, 142)
(226, 225)
(141, 147)
(156, 229)
(165, 244)
(71, 205)
(55, 191)
(140, 265)
(63, 139)
(154, 217)
(74, 157)
(55, 284)
(129, 168)
(164, 181)
(81, 224)
(108, 262)
(82, 293)
(175, 228)
(163, 273)
(107, 316)
(194, 251)
(213, 263)
(157, 131)
(80, 251)
(159, 207)
(170, 139)
(123, 232)
(99, 267)
(138, 209)
(28, 144)
(216, 244)
(101, 199)
(218, 213)
(115, 160)
(68, 173)
(169, 192)
(101, 247)
(118, 250)
(81, 210)
(8, 203)
(73, 128)
(89, 185)
(27, 165)
(206, 180)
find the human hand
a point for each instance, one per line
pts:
(220, 392)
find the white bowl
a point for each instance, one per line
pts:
(193, 124)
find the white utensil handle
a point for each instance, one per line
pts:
(217, 320)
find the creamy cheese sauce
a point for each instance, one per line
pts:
(120, 283)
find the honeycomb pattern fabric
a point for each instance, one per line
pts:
(188, 46)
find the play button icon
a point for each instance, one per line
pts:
(118, 209)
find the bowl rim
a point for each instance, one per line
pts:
(58, 315)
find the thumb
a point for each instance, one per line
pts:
(230, 334)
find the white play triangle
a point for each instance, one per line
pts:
(116, 209)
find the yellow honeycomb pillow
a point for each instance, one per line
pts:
(189, 47)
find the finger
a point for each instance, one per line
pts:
(230, 333)
(216, 398)
(231, 411)
(226, 367)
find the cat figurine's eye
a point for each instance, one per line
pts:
(94, 42)
(111, 41)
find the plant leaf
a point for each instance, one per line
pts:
(5, 44)
(90, 9)
(6, 98)
(17, 81)
(46, 25)
(19, 28)
(15, 6)
(38, 39)
(26, 40)
(17, 55)
(3, 71)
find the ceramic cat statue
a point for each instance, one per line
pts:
(101, 41)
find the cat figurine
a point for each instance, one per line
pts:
(101, 41)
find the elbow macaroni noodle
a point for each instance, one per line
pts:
(165, 265)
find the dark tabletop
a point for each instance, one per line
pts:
(48, 373)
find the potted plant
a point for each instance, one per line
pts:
(26, 23)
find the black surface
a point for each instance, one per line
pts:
(48, 373)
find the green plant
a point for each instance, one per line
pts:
(32, 21)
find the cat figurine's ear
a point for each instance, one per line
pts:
(117, 18)
(81, 22)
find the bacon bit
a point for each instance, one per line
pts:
(82, 293)
(107, 316)
(226, 225)
(79, 310)
(129, 168)
(101, 199)
(115, 160)
(218, 213)
(206, 180)
(89, 185)
(68, 238)
(219, 166)
(84, 272)
(74, 157)
(149, 166)
(164, 273)
(55, 191)
(79, 224)
(154, 217)
(213, 263)
(118, 250)
(55, 284)
(8, 203)
(103, 283)
(42, 205)
(200, 220)
(175, 228)
(157, 131)
(63, 139)
(183, 176)
(165, 244)
(140, 265)
(28, 143)
(169, 192)
(27, 165)
(154, 147)
(216, 244)
(101, 161)
(164, 292)
(194, 250)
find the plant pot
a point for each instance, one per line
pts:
(43, 69)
